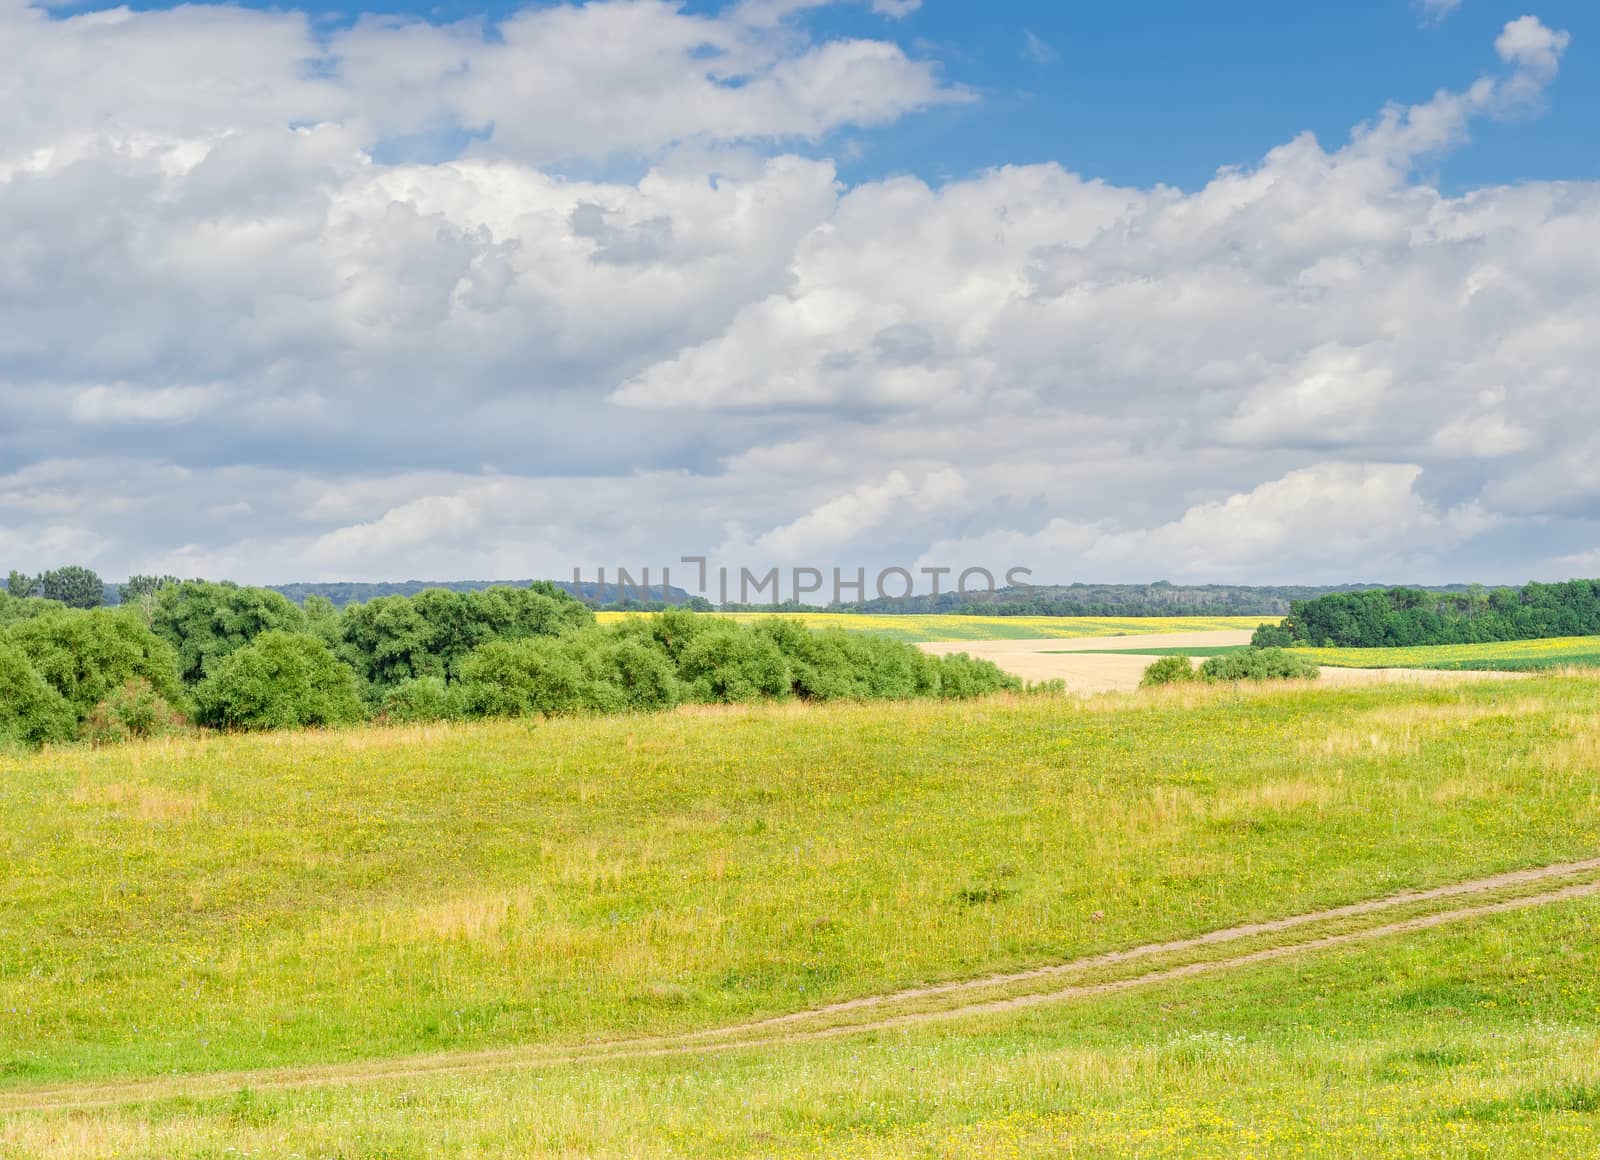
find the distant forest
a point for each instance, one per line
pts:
(1406, 617)
(341, 593)
(1158, 599)
(1132, 600)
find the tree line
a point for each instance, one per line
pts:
(1161, 598)
(1408, 617)
(180, 653)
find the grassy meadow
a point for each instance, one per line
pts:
(941, 627)
(1475, 1040)
(209, 904)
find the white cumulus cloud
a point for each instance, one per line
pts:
(408, 299)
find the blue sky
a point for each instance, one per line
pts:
(1165, 91)
(1063, 286)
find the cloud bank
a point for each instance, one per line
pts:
(582, 287)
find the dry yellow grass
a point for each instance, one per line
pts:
(150, 803)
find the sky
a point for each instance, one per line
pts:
(1272, 294)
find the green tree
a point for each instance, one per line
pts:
(140, 593)
(1272, 636)
(207, 622)
(138, 588)
(21, 585)
(395, 638)
(280, 680)
(85, 654)
(837, 664)
(31, 711)
(74, 586)
(389, 640)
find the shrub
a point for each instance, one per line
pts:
(1259, 664)
(134, 711)
(31, 710)
(423, 699)
(15, 608)
(671, 632)
(834, 664)
(961, 676)
(281, 680)
(1272, 636)
(643, 676)
(731, 664)
(1169, 671)
(510, 678)
(85, 655)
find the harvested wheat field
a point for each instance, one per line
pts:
(1088, 665)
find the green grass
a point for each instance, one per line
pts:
(235, 902)
(1476, 1040)
(219, 903)
(1500, 656)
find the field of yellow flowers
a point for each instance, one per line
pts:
(202, 907)
(1505, 656)
(920, 628)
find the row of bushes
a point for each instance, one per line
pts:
(1249, 664)
(236, 658)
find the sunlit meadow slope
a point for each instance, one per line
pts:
(1476, 1040)
(243, 901)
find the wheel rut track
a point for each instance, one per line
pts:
(792, 1028)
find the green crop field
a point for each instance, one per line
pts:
(1505, 656)
(434, 933)
(1496, 656)
(941, 627)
